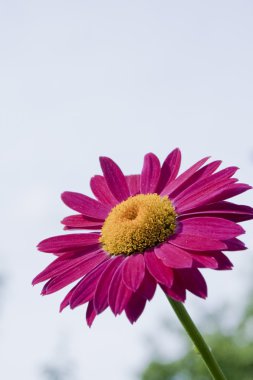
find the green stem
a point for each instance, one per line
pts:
(197, 339)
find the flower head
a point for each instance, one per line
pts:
(156, 228)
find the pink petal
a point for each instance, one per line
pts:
(85, 290)
(162, 273)
(173, 185)
(177, 290)
(133, 182)
(119, 294)
(219, 194)
(205, 185)
(205, 261)
(102, 289)
(169, 170)
(135, 307)
(90, 313)
(211, 227)
(150, 173)
(85, 205)
(81, 221)
(200, 174)
(101, 190)
(235, 245)
(193, 281)
(63, 263)
(133, 271)
(115, 179)
(148, 286)
(223, 262)
(73, 273)
(66, 301)
(222, 209)
(196, 243)
(69, 242)
(173, 256)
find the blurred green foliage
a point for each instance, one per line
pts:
(233, 351)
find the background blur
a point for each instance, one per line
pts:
(79, 79)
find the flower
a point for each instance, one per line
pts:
(156, 228)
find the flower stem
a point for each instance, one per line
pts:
(197, 339)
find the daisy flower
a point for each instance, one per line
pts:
(153, 229)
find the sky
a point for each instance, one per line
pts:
(81, 79)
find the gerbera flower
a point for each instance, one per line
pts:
(156, 228)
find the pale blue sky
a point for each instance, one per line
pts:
(79, 79)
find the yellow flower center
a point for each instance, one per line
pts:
(140, 222)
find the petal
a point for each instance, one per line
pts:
(74, 273)
(133, 271)
(193, 281)
(223, 262)
(115, 179)
(135, 307)
(69, 242)
(211, 228)
(224, 192)
(196, 243)
(81, 221)
(63, 263)
(222, 209)
(162, 273)
(173, 256)
(235, 245)
(119, 294)
(173, 185)
(206, 184)
(148, 286)
(150, 173)
(101, 190)
(169, 170)
(66, 301)
(85, 205)
(205, 261)
(102, 289)
(133, 182)
(85, 290)
(90, 313)
(177, 290)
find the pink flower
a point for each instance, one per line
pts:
(156, 228)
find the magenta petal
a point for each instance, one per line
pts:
(211, 227)
(66, 301)
(193, 281)
(81, 221)
(101, 191)
(173, 185)
(90, 313)
(135, 307)
(81, 268)
(196, 243)
(85, 290)
(68, 261)
(102, 289)
(148, 286)
(133, 182)
(222, 209)
(69, 242)
(177, 290)
(235, 245)
(173, 256)
(85, 205)
(150, 174)
(115, 179)
(119, 294)
(205, 261)
(169, 170)
(206, 184)
(223, 262)
(133, 271)
(162, 273)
